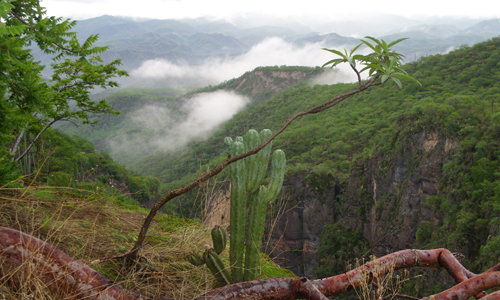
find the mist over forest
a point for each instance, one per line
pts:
(185, 55)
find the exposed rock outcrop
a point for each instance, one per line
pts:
(310, 202)
(391, 190)
(273, 81)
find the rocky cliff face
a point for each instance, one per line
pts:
(386, 195)
(270, 80)
(384, 198)
(309, 204)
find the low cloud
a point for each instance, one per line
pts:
(158, 128)
(270, 52)
(337, 75)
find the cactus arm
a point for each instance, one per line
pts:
(263, 156)
(252, 162)
(277, 175)
(215, 265)
(238, 212)
(219, 239)
(228, 142)
(195, 259)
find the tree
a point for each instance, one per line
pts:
(29, 101)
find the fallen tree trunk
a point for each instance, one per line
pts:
(23, 256)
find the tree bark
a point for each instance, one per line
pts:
(16, 159)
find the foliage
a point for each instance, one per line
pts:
(70, 161)
(339, 246)
(29, 103)
(382, 61)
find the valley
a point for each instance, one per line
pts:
(390, 168)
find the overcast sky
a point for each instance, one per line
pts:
(331, 9)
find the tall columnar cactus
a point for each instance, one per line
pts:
(248, 196)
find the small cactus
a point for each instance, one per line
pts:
(219, 239)
(195, 259)
(216, 266)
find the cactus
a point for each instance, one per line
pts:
(257, 218)
(211, 257)
(255, 233)
(237, 212)
(219, 239)
(216, 266)
(195, 259)
(248, 196)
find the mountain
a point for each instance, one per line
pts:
(194, 41)
(439, 30)
(486, 29)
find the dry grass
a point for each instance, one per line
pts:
(92, 227)
(378, 286)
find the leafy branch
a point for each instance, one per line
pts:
(382, 61)
(25, 96)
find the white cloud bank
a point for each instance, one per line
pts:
(270, 52)
(156, 128)
(161, 129)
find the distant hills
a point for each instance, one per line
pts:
(194, 42)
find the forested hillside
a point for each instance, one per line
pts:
(329, 142)
(71, 162)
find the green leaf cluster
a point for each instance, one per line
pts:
(382, 62)
(31, 102)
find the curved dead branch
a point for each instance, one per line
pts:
(60, 273)
(177, 192)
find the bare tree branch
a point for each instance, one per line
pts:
(357, 73)
(34, 141)
(14, 148)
